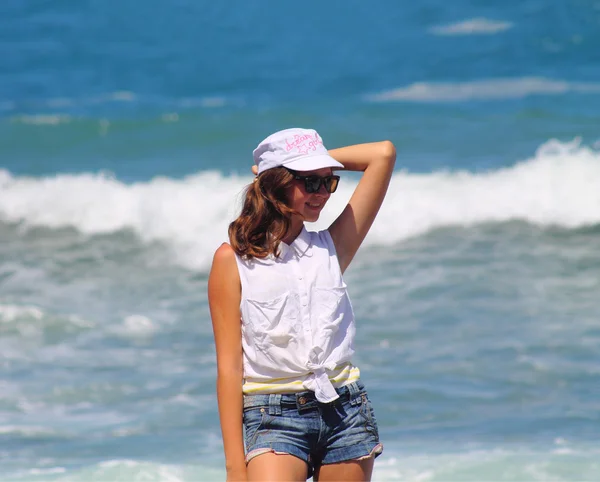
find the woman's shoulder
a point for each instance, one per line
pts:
(223, 280)
(224, 264)
(224, 252)
(224, 256)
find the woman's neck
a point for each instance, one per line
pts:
(295, 229)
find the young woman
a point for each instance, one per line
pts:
(291, 402)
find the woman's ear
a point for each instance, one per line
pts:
(255, 170)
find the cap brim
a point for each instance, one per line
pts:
(312, 163)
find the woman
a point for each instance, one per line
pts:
(285, 380)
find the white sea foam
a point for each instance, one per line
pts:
(523, 463)
(485, 89)
(188, 215)
(472, 26)
(206, 102)
(558, 186)
(31, 320)
(129, 470)
(49, 471)
(170, 117)
(41, 119)
(118, 96)
(10, 313)
(27, 431)
(60, 103)
(136, 326)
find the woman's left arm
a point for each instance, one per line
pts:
(376, 160)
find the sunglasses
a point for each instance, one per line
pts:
(313, 182)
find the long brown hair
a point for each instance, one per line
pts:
(266, 216)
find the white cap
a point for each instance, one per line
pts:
(297, 149)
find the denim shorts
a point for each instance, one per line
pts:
(318, 433)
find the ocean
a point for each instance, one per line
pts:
(126, 138)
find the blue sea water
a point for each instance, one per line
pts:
(126, 133)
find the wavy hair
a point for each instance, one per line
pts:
(266, 216)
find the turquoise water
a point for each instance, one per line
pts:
(125, 141)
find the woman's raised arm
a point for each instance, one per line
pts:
(376, 160)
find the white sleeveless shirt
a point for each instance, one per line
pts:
(297, 320)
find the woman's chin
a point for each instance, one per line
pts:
(311, 214)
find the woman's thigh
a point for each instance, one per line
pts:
(350, 471)
(271, 467)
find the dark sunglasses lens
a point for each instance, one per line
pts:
(331, 183)
(312, 184)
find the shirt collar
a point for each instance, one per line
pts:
(299, 245)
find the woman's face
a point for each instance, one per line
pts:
(309, 205)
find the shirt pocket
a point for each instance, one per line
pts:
(328, 301)
(331, 310)
(274, 321)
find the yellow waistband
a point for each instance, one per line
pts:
(340, 376)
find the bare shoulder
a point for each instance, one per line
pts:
(224, 263)
(224, 278)
(224, 254)
(224, 295)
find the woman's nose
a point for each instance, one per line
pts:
(323, 190)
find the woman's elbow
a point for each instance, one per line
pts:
(388, 151)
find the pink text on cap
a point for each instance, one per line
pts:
(304, 143)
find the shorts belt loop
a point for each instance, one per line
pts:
(275, 404)
(354, 394)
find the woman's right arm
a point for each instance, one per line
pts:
(224, 295)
